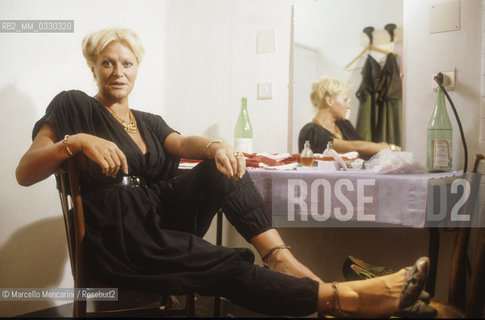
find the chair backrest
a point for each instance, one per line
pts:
(470, 299)
(72, 208)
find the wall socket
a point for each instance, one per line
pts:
(448, 79)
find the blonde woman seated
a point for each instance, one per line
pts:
(149, 234)
(330, 97)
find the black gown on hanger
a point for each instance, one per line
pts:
(390, 103)
(368, 93)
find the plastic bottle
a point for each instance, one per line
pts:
(243, 133)
(440, 136)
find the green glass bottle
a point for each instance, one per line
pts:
(243, 133)
(440, 136)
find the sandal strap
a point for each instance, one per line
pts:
(272, 250)
(416, 279)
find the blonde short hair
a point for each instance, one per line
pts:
(327, 87)
(95, 42)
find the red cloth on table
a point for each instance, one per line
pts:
(253, 160)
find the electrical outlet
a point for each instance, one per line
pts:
(448, 79)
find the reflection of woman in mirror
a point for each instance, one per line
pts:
(330, 97)
(149, 234)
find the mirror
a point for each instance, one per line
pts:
(327, 36)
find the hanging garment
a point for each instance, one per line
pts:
(389, 103)
(380, 96)
(367, 94)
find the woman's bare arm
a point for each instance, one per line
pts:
(42, 159)
(193, 147)
(45, 155)
(362, 147)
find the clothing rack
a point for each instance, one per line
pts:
(387, 35)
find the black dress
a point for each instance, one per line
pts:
(390, 103)
(368, 94)
(319, 136)
(380, 96)
(150, 237)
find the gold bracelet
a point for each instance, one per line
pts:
(211, 143)
(334, 303)
(65, 143)
(271, 251)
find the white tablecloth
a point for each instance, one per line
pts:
(310, 198)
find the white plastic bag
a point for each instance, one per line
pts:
(387, 161)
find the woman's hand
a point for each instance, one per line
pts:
(230, 162)
(384, 145)
(47, 153)
(105, 153)
(393, 147)
(365, 148)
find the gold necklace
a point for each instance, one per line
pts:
(130, 126)
(337, 134)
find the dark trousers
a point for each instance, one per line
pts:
(196, 195)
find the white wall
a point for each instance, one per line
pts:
(212, 63)
(200, 59)
(426, 53)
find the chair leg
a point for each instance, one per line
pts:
(433, 251)
(476, 293)
(190, 305)
(217, 300)
(79, 309)
(458, 280)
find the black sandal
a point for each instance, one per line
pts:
(370, 270)
(356, 269)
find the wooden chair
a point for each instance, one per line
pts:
(470, 296)
(71, 202)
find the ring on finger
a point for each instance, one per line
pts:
(238, 154)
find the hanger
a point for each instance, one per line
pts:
(390, 29)
(370, 46)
